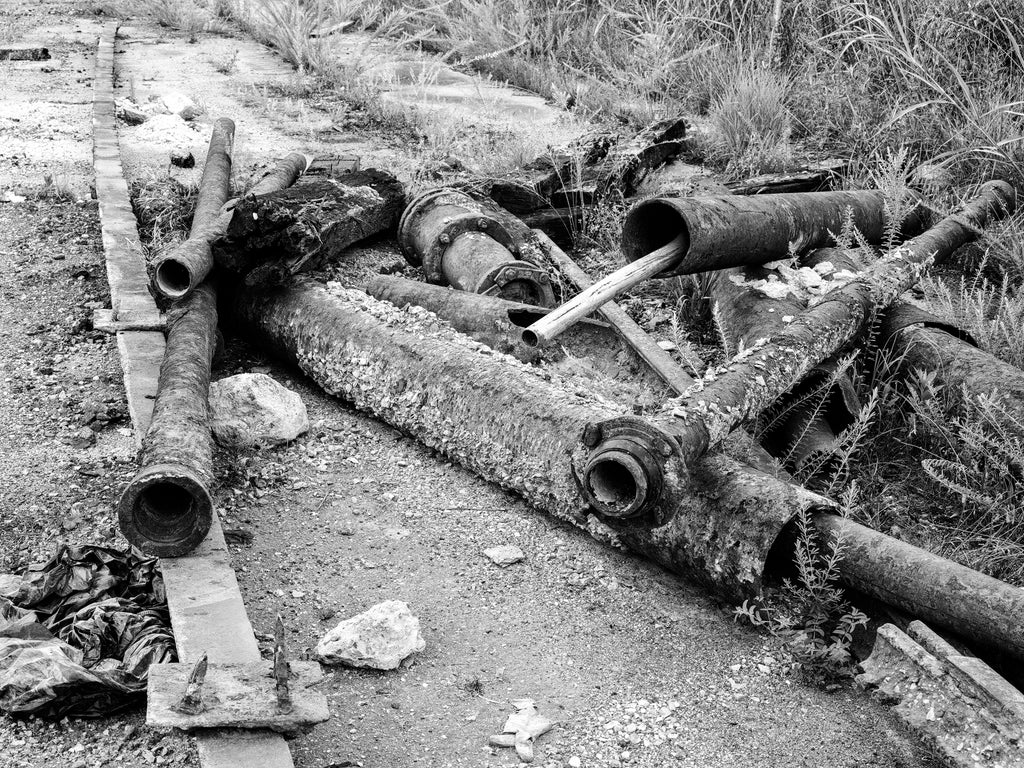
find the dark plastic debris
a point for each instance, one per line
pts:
(79, 635)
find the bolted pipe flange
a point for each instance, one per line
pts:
(435, 219)
(623, 473)
(520, 281)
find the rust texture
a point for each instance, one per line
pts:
(738, 230)
(517, 426)
(806, 421)
(278, 234)
(975, 606)
(922, 342)
(474, 246)
(498, 323)
(167, 509)
(181, 270)
(757, 378)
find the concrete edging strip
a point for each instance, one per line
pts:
(205, 603)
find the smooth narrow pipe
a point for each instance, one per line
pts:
(603, 291)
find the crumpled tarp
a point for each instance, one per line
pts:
(79, 634)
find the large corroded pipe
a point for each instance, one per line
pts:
(517, 426)
(703, 420)
(520, 428)
(741, 230)
(167, 509)
(977, 607)
(467, 244)
(920, 341)
(805, 424)
(179, 271)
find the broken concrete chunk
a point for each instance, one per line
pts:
(252, 409)
(182, 158)
(130, 112)
(505, 555)
(379, 638)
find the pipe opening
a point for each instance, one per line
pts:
(524, 318)
(173, 278)
(165, 513)
(523, 292)
(616, 483)
(651, 225)
(530, 338)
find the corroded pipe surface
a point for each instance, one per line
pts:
(922, 342)
(703, 420)
(180, 271)
(166, 509)
(739, 230)
(975, 606)
(464, 243)
(519, 427)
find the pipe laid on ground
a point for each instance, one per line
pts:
(703, 420)
(180, 271)
(740, 230)
(522, 429)
(166, 510)
(469, 245)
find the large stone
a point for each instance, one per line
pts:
(379, 638)
(251, 409)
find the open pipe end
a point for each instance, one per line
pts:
(530, 338)
(653, 224)
(165, 511)
(617, 483)
(172, 278)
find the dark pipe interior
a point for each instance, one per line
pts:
(165, 512)
(649, 226)
(524, 318)
(173, 277)
(522, 291)
(613, 485)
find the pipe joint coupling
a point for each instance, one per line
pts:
(623, 474)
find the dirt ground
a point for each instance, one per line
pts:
(638, 667)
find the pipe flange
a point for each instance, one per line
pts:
(501, 282)
(623, 475)
(437, 218)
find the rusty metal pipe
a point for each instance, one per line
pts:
(463, 243)
(167, 508)
(523, 430)
(741, 230)
(180, 271)
(702, 421)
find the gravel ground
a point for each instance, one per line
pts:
(637, 667)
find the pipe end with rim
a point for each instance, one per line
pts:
(166, 510)
(172, 278)
(651, 224)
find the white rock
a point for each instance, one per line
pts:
(179, 104)
(253, 409)
(505, 554)
(379, 638)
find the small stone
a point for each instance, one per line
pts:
(130, 112)
(182, 158)
(575, 762)
(379, 638)
(505, 555)
(83, 438)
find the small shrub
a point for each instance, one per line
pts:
(811, 614)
